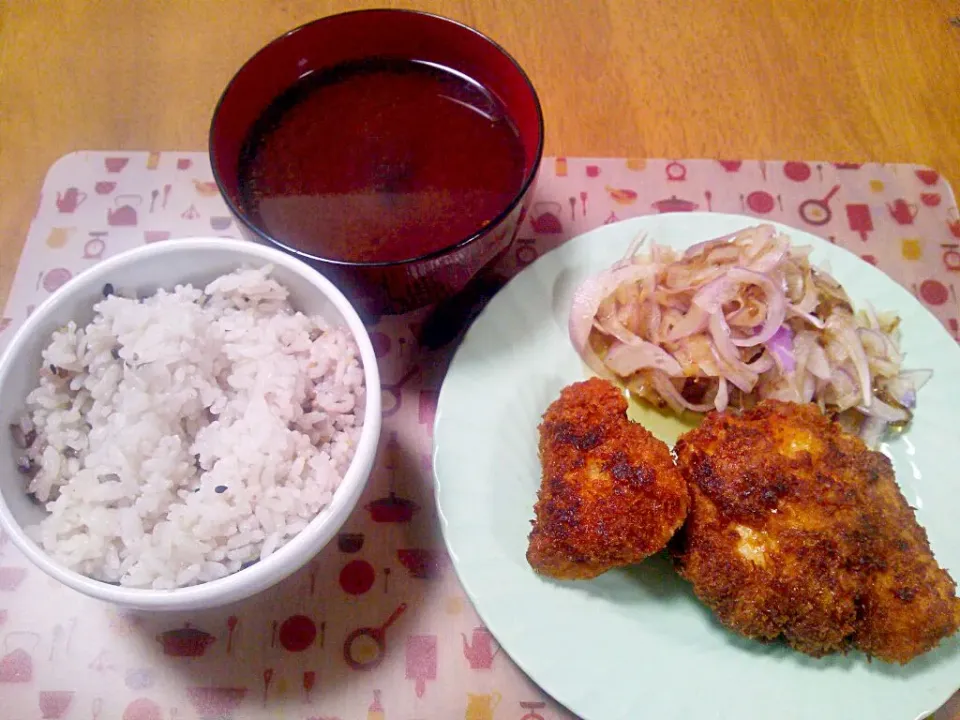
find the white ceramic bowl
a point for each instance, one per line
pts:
(146, 269)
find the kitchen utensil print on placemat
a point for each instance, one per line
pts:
(532, 706)
(545, 218)
(297, 633)
(70, 199)
(309, 683)
(16, 665)
(375, 710)
(953, 222)
(951, 256)
(216, 703)
(151, 236)
(860, 219)
(421, 661)
(902, 211)
(480, 649)
(205, 188)
(52, 280)
(54, 703)
(526, 251)
(798, 171)
(350, 542)
(622, 196)
(115, 164)
(185, 642)
(482, 706)
(761, 202)
(816, 211)
(365, 647)
(143, 708)
(62, 638)
(934, 292)
(357, 577)
(11, 576)
(421, 563)
(676, 171)
(124, 210)
(392, 394)
(674, 204)
(232, 623)
(927, 176)
(58, 237)
(392, 508)
(427, 409)
(267, 682)
(94, 248)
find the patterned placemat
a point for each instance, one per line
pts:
(294, 652)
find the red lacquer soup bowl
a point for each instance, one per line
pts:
(394, 151)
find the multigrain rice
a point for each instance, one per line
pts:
(182, 436)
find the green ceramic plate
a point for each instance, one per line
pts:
(636, 643)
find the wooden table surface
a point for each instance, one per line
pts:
(795, 79)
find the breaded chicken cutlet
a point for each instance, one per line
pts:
(797, 530)
(610, 493)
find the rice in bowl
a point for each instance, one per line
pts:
(179, 437)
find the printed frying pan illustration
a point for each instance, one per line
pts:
(365, 647)
(818, 212)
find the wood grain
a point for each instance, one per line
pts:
(796, 79)
(857, 80)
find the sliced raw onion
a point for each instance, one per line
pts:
(673, 397)
(627, 358)
(781, 345)
(748, 315)
(887, 413)
(736, 370)
(586, 302)
(841, 324)
(776, 305)
(723, 396)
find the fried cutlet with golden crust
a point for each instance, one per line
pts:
(797, 529)
(610, 494)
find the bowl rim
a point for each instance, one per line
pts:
(302, 547)
(265, 236)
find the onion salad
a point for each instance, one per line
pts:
(739, 319)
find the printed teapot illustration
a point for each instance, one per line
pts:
(70, 199)
(125, 212)
(16, 665)
(480, 649)
(902, 211)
